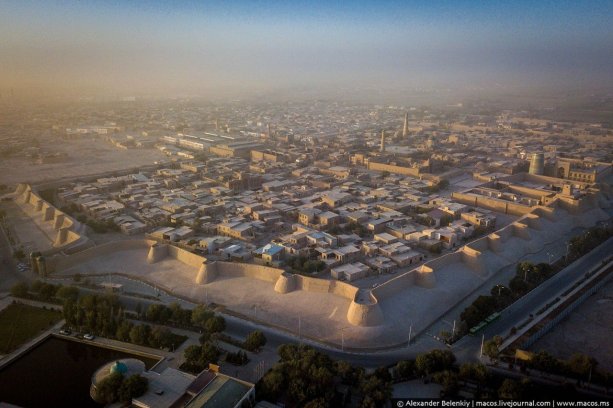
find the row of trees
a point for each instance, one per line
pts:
(46, 292)
(104, 315)
(589, 240)
(527, 277)
(579, 366)
(308, 378)
(200, 318)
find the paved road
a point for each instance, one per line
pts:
(536, 299)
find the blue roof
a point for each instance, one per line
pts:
(269, 249)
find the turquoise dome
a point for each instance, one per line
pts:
(119, 367)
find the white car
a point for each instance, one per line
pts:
(89, 336)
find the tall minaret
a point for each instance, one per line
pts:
(405, 128)
(268, 132)
(383, 140)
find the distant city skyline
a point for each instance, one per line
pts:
(161, 47)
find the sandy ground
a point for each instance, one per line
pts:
(587, 330)
(254, 298)
(85, 156)
(322, 315)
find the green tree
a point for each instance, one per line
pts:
(107, 390)
(158, 313)
(581, 364)
(123, 331)
(476, 372)
(69, 312)
(132, 387)
(161, 337)
(490, 348)
(449, 380)
(47, 291)
(19, 289)
(179, 315)
(376, 391)
(67, 292)
(215, 324)
(255, 340)
(273, 384)
(405, 369)
(510, 389)
(433, 361)
(201, 315)
(208, 354)
(192, 354)
(140, 334)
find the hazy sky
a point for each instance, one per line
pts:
(192, 46)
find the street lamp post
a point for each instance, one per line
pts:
(410, 331)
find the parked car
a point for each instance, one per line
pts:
(65, 332)
(89, 336)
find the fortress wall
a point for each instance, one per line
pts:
(407, 171)
(577, 207)
(286, 283)
(61, 237)
(521, 230)
(343, 289)
(549, 213)
(444, 260)
(518, 209)
(157, 252)
(495, 242)
(33, 199)
(61, 263)
(185, 257)
(25, 198)
(21, 188)
(206, 273)
(534, 221)
(48, 212)
(261, 272)
(528, 191)
(395, 285)
(365, 314)
(58, 221)
(481, 244)
(51, 214)
(425, 277)
(473, 259)
(505, 207)
(312, 284)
